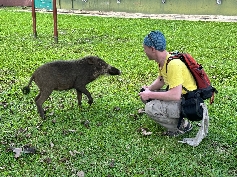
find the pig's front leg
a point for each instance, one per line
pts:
(79, 97)
(86, 92)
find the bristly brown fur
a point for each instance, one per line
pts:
(64, 75)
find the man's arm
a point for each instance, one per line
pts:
(174, 94)
(157, 84)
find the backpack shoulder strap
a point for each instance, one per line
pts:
(176, 55)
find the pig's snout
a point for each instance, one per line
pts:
(113, 71)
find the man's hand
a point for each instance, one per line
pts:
(173, 94)
(144, 93)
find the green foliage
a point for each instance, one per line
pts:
(103, 140)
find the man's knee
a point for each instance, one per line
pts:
(165, 113)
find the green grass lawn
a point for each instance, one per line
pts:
(104, 139)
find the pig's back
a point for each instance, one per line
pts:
(57, 75)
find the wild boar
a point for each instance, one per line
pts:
(68, 74)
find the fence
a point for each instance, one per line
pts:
(15, 2)
(187, 7)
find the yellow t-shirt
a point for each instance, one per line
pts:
(177, 74)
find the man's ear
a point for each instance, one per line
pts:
(153, 49)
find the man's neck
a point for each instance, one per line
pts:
(163, 56)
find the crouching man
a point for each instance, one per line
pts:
(163, 106)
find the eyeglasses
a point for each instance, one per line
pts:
(149, 36)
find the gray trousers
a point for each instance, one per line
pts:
(165, 113)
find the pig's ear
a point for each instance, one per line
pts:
(91, 61)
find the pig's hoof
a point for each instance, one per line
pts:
(90, 102)
(42, 115)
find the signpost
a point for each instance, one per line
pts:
(48, 5)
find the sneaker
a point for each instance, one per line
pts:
(182, 130)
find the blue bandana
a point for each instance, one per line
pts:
(155, 39)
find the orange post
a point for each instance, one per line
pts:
(55, 22)
(34, 19)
